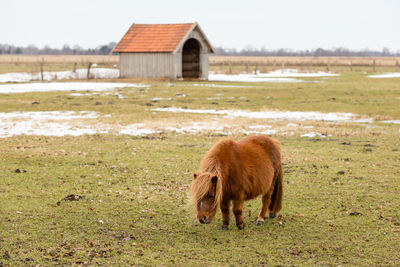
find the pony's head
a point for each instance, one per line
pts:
(205, 195)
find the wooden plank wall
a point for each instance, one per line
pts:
(147, 65)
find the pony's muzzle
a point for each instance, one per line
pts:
(205, 220)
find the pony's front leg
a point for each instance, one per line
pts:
(225, 214)
(238, 211)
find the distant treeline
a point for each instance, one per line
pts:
(319, 52)
(65, 50)
(220, 51)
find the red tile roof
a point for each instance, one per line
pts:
(152, 38)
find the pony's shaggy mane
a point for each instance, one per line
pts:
(202, 184)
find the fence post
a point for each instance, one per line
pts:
(74, 69)
(351, 65)
(255, 70)
(374, 65)
(327, 66)
(41, 71)
(283, 67)
(230, 67)
(88, 70)
(397, 65)
(247, 67)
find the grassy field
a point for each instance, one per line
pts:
(341, 196)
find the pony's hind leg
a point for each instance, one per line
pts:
(225, 214)
(266, 200)
(238, 211)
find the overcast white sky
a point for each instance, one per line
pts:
(295, 24)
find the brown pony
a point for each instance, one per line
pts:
(238, 171)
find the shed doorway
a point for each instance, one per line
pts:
(191, 59)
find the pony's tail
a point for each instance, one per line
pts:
(276, 199)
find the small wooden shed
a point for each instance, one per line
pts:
(164, 51)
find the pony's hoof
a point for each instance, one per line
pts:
(224, 227)
(258, 223)
(240, 226)
(272, 215)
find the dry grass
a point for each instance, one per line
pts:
(58, 59)
(304, 61)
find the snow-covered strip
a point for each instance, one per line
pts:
(44, 128)
(99, 94)
(67, 86)
(294, 73)
(313, 134)
(155, 99)
(386, 75)
(391, 121)
(62, 123)
(47, 123)
(221, 85)
(282, 75)
(249, 78)
(137, 129)
(276, 115)
(196, 127)
(48, 115)
(96, 73)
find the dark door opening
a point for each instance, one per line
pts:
(191, 59)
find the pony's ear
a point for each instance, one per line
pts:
(214, 180)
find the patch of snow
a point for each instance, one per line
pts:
(47, 123)
(249, 78)
(292, 125)
(221, 85)
(386, 75)
(294, 73)
(312, 134)
(391, 121)
(98, 94)
(282, 75)
(137, 129)
(276, 115)
(96, 73)
(160, 99)
(80, 94)
(48, 115)
(259, 126)
(196, 127)
(266, 132)
(68, 86)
